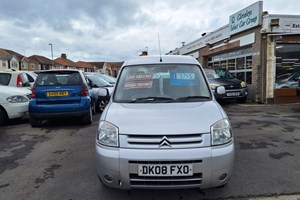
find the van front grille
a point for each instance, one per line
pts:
(167, 141)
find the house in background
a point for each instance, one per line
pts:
(42, 62)
(98, 66)
(112, 68)
(9, 60)
(85, 66)
(64, 63)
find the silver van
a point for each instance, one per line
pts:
(163, 128)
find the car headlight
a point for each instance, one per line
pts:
(221, 132)
(17, 99)
(243, 84)
(214, 85)
(108, 134)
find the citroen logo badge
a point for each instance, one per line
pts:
(164, 142)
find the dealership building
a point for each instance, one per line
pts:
(259, 48)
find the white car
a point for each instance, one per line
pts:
(13, 103)
(15, 79)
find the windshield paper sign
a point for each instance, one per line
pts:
(183, 79)
(140, 80)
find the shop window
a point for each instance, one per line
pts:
(287, 65)
(240, 63)
(231, 64)
(249, 62)
(223, 64)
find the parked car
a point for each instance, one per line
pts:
(163, 128)
(15, 79)
(31, 77)
(13, 103)
(234, 88)
(102, 90)
(111, 80)
(288, 80)
(60, 94)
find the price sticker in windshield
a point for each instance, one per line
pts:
(183, 78)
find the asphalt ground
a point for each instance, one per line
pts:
(57, 161)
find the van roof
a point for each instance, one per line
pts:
(165, 59)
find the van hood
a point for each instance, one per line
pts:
(158, 118)
(235, 82)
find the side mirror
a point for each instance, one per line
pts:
(103, 92)
(220, 90)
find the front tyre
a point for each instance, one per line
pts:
(242, 100)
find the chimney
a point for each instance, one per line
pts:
(144, 53)
(64, 56)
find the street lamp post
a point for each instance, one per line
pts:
(52, 53)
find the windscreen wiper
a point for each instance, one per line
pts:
(192, 98)
(154, 99)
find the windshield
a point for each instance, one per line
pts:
(161, 83)
(98, 81)
(218, 74)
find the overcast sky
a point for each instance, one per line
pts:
(114, 30)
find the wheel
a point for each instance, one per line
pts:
(88, 118)
(3, 117)
(102, 104)
(35, 122)
(242, 100)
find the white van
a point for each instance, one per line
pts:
(163, 128)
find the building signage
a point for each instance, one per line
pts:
(245, 19)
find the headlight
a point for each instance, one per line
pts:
(243, 84)
(221, 132)
(17, 99)
(214, 85)
(108, 134)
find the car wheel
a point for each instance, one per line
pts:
(35, 122)
(88, 118)
(102, 105)
(3, 117)
(242, 100)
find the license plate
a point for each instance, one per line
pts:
(58, 94)
(165, 170)
(233, 94)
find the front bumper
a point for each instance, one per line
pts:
(16, 110)
(118, 168)
(233, 94)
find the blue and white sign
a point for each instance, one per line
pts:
(245, 19)
(183, 79)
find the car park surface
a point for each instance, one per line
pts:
(57, 161)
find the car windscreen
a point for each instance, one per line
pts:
(211, 74)
(98, 81)
(161, 83)
(58, 79)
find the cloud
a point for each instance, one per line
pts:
(111, 30)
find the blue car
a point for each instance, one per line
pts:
(61, 94)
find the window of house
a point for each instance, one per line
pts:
(24, 65)
(32, 66)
